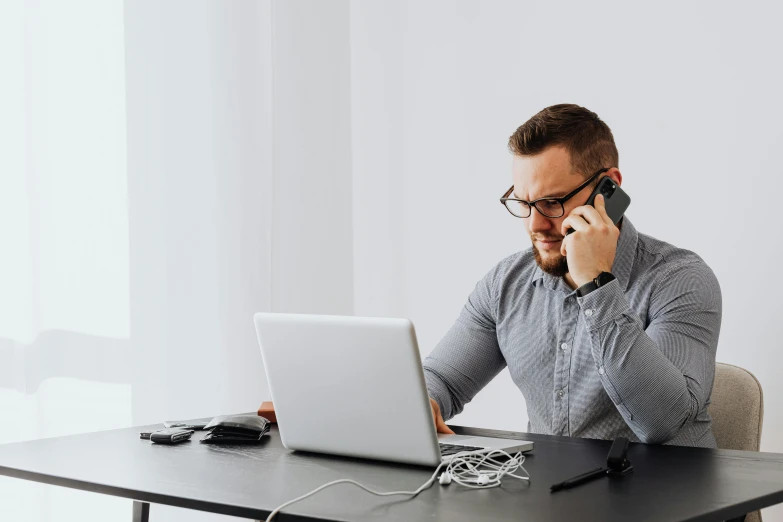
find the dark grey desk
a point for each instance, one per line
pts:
(669, 483)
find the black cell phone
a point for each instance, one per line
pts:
(615, 199)
(170, 436)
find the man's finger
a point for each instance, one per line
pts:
(589, 213)
(563, 246)
(575, 221)
(440, 426)
(600, 207)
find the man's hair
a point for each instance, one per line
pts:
(581, 132)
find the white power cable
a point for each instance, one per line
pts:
(463, 468)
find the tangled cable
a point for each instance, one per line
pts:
(476, 470)
(464, 468)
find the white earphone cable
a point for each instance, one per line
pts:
(463, 468)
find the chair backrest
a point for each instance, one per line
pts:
(736, 408)
(737, 411)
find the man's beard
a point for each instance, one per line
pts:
(556, 266)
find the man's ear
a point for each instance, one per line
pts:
(616, 176)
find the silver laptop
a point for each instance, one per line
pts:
(354, 386)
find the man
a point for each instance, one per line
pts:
(607, 332)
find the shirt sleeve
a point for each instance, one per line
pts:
(468, 356)
(659, 378)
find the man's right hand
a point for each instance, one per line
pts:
(440, 424)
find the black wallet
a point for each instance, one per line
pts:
(236, 429)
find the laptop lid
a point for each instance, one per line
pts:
(350, 386)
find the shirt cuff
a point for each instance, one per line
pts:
(603, 305)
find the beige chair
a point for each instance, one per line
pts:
(737, 410)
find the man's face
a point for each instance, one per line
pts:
(547, 174)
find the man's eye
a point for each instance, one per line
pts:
(549, 204)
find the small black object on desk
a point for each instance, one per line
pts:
(170, 436)
(617, 464)
(167, 436)
(236, 429)
(617, 460)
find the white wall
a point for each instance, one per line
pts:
(312, 259)
(377, 115)
(690, 90)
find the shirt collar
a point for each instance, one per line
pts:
(623, 259)
(537, 273)
(548, 280)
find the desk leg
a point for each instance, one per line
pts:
(141, 511)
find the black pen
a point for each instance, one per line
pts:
(580, 479)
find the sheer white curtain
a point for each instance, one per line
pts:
(64, 306)
(167, 169)
(144, 206)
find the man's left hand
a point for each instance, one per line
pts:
(591, 248)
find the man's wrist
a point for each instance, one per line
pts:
(581, 282)
(602, 279)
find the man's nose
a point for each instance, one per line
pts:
(538, 223)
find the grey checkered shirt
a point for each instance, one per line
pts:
(634, 358)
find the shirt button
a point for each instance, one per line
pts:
(560, 393)
(588, 312)
(564, 346)
(601, 370)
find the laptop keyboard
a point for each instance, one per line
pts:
(451, 449)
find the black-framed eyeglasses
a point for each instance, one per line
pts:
(547, 207)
